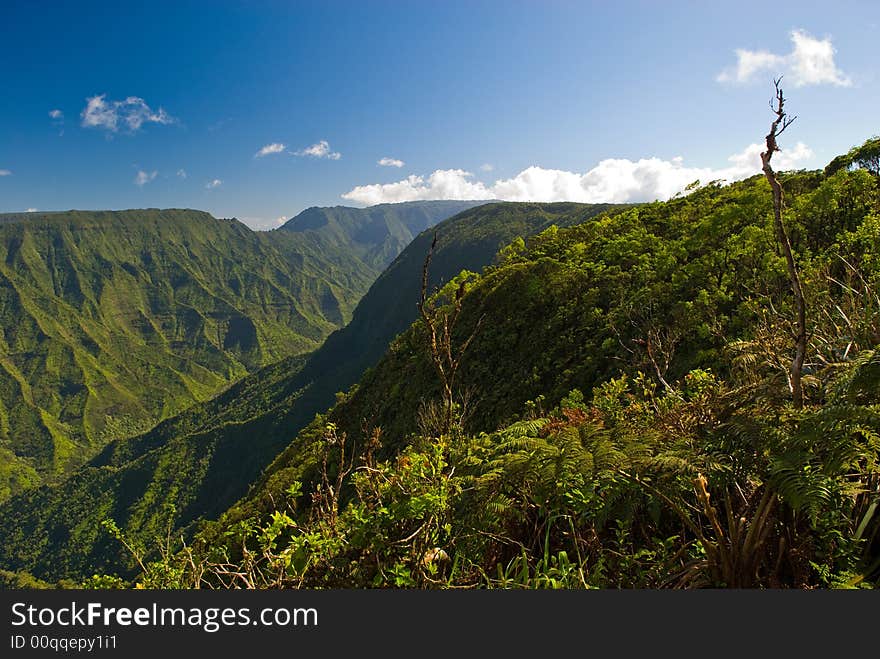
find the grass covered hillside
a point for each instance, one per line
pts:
(198, 463)
(621, 417)
(115, 320)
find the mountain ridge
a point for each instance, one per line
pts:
(183, 460)
(618, 373)
(92, 301)
(375, 234)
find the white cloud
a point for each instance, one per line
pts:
(813, 62)
(132, 113)
(319, 150)
(749, 63)
(56, 114)
(810, 62)
(442, 184)
(142, 177)
(5, 172)
(216, 183)
(390, 162)
(181, 173)
(275, 147)
(487, 167)
(31, 210)
(263, 223)
(614, 180)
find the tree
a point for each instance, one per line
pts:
(440, 323)
(867, 156)
(780, 123)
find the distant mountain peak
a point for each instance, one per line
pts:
(376, 234)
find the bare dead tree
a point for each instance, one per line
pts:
(325, 498)
(780, 123)
(440, 323)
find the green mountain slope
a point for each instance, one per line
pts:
(203, 460)
(198, 462)
(374, 235)
(620, 366)
(114, 320)
(468, 241)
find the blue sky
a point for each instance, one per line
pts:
(169, 104)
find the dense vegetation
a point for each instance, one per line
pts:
(200, 462)
(467, 241)
(194, 464)
(115, 320)
(623, 418)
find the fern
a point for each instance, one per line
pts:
(861, 382)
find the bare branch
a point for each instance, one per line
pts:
(779, 124)
(440, 324)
